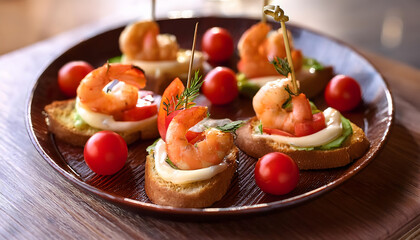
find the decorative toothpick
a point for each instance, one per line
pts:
(153, 10)
(263, 16)
(278, 14)
(191, 62)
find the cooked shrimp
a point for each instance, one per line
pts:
(142, 41)
(252, 40)
(257, 48)
(122, 96)
(184, 155)
(268, 104)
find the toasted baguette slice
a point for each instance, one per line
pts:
(60, 121)
(354, 147)
(191, 195)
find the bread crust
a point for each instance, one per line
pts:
(192, 195)
(354, 147)
(60, 121)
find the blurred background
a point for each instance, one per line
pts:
(386, 27)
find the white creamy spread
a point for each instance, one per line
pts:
(175, 176)
(333, 130)
(178, 67)
(107, 122)
(209, 123)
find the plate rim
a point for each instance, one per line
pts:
(208, 211)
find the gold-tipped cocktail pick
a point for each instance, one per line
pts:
(191, 63)
(278, 14)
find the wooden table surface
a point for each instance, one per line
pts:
(382, 201)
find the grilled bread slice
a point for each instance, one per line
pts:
(61, 117)
(190, 195)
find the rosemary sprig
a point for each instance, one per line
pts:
(288, 102)
(281, 66)
(187, 96)
(190, 93)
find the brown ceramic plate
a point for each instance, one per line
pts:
(126, 188)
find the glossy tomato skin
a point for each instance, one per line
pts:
(309, 127)
(146, 108)
(105, 152)
(343, 93)
(70, 75)
(139, 113)
(276, 173)
(169, 97)
(218, 44)
(220, 86)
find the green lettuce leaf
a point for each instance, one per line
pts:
(116, 59)
(347, 131)
(309, 63)
(245, 87)
(151, 148)
(78, 121)
(171, 163)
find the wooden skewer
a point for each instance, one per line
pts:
(153, 10)
(278, 14)
(289, 56)
(264, 17)
(191, 62)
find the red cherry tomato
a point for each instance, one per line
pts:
(105, 152)
(312, 126)
(343, 93)
(220, 86)
(144, 108)
(218, 44)
(276, 173)
(139, 113)
(70, 75)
